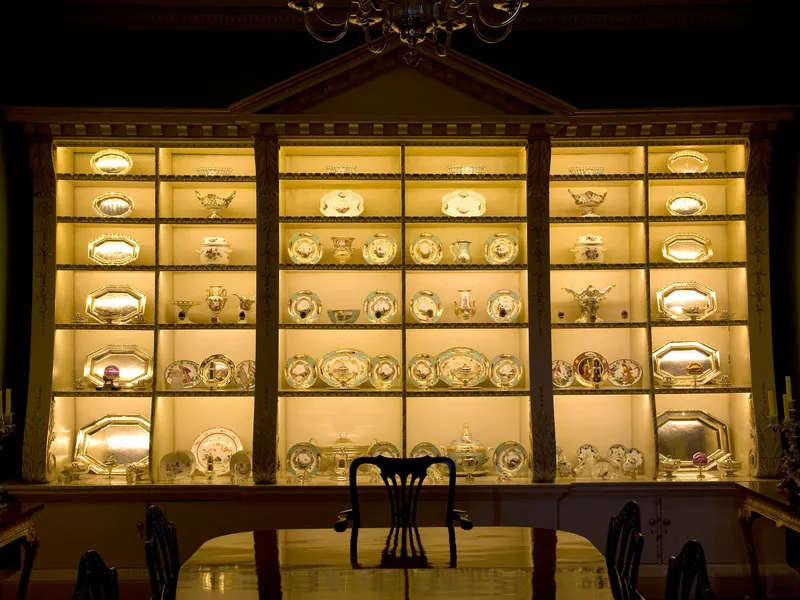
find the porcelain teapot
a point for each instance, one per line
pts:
(466, 444)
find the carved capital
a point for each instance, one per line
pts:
(758, 163)
(41, 155)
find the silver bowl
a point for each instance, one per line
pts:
(346, 316)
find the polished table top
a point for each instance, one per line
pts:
(316, 564)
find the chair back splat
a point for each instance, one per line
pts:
(625, 542)
(161, 552)
(403, 478)
(96, 581)
(688, 570)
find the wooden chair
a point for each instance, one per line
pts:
(688, 570)
(161, 552)
(624, 544)
(403, 478)
(96, 581)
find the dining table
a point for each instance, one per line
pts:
(429, 563)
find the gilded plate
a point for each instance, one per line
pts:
(687, 204)
(304, 307)
(463, 203)
(113, 205)
(686, 363)
(506, 371)
(216, 371)
(426, 307)
(501, 249)
(177, 466)
(303, 459)
(422, 371)
(135, 364)
(119, 439)
(341, 203)
(590, 368)
(426, 249)
(384, 371)
(510, 458)
(116, 303)
(113, 249)
(300, 371)
(218, 444)
(380, 306)
(379, 249)
(111, 162)
(305, 249)
(245, 375)
(385, 449)
(686, 248)
(587, 451)
(616, 454)
(425, 449)
(635, 455)
(687, 161)
(563, 375)
(182, 375)
(681, 433)
(462, 367)
(624, 372)
(504, 306)
(687, 301)
(344, 368)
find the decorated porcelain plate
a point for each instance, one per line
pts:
(504, 306)
(462, 367)
(585, 365)
(384, 371)
(115, 205)
(636, 455)
(386, 449)
(506, 371)
(177, 465)
(305, 249)
(501, 249)
(182, 374)
(563, 376)
(379, 249)
(216, 371)
(304, 307)
(587, 451)
(624, 372)
(300, 372)
(344, 368)
(303, 458)
(616, 454)
(426, 249)
(425, 449)
(219, 444)
(510, 458)
(341, 203)
(380, 306)
(245, 376)
(426, 307)
(241, 464)
(422, 371)
(463, 203)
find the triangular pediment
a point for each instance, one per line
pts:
(360, 83)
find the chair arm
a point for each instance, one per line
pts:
(462, 518)
(341, 523)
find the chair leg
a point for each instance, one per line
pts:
(746, 518)
(31, 545)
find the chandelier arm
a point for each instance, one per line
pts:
(318, 37)
(376, 6)
(382, 40)
(482, 37)
(447, 41)
(334, 24)
(505, 23)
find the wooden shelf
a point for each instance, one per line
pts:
(704, 389)
(704, 323)
(105, 327)
(91, 392)
(465, 220)
(468, 325)
(466, 267)
(206, 326)
(703, 265)
(448, 177)
(596, 220)
(110, 268)
(603, 391)
(111, 221)
(598, 178)
(340, 176)
(597, 266)
(471, 392)
(207, 221)
(320, 326)
(696, 176)
(103, 178)
(340, 220)
(207, 178)
(195, 393)
(319, 267)
(700, 219)
(332, 393)
(207, 268)
(601, 325)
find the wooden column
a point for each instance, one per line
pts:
(35, 468)
(265, 425)
(765, 456)
(539, 353)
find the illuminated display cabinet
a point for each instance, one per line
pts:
(676, 337)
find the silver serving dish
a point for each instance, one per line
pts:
(111, 162)
(462, 367)
(113, 205)
(118, 440)
(687, 301)
(116, 303)
(686, 363)
(344, 368)
(687, 204)
(687, 161)
(135, 364)
(687, 248)
(113, 249)
(682, 433)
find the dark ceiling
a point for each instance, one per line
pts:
(594, 54)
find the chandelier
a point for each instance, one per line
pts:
(414, 21)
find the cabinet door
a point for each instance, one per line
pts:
(711, 521)
(589, 517)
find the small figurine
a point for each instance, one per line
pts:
(624, 315)
(597, 373)
(110, 378)
(209, 466)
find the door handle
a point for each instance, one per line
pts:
(652, 522)
(666, 522)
